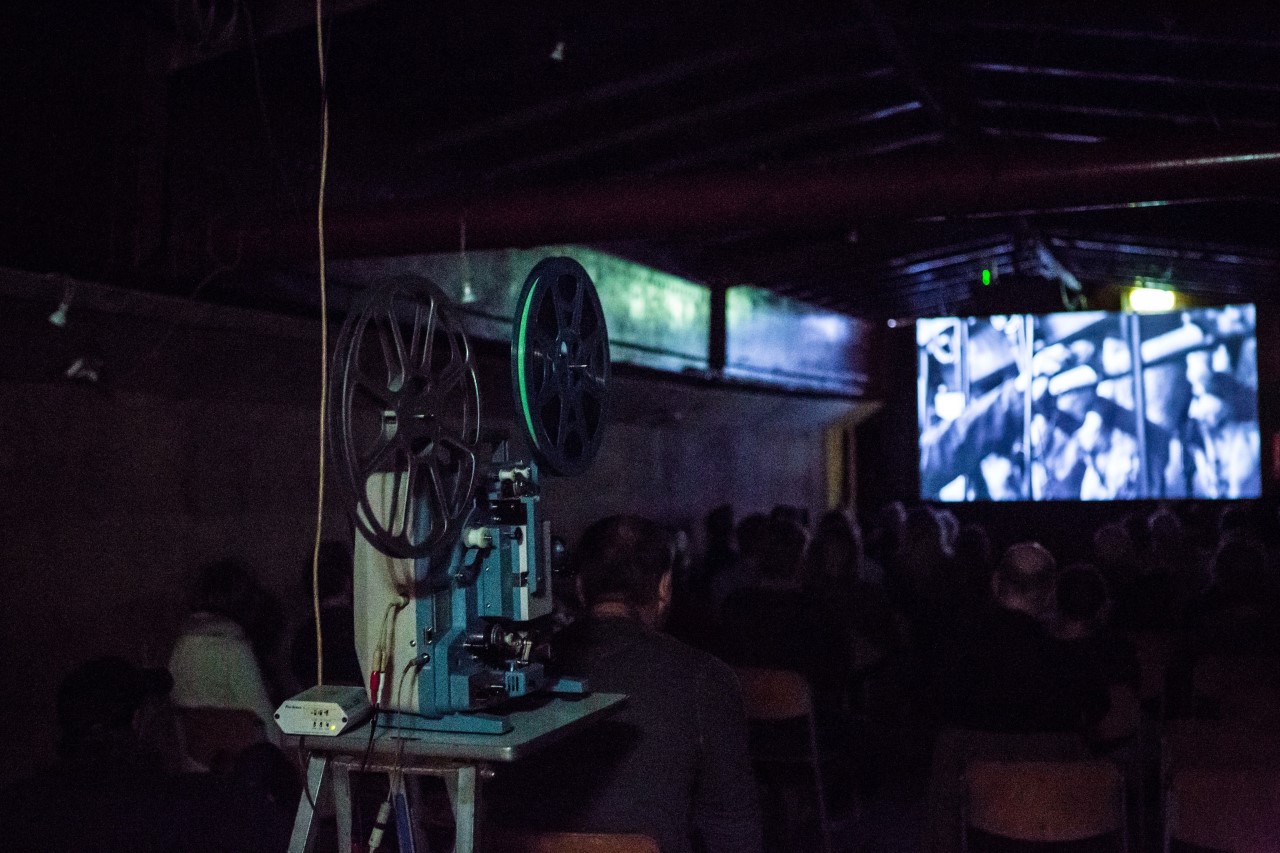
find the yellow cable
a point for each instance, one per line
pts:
(324, 339)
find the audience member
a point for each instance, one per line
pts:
(950, 527)
(1145, 596)
(108, 792)
(673, 764)
(834, 578)
(337, 621)
(922, 559)
(1002, 676)
(752, 534)
(213, 663)
(777, 623)
(1088, 655)
(718, 556)
(886, 530)
(918, 584)
(1238, 615)
(834, 559)
(796, 515)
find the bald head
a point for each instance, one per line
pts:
(1025, 577)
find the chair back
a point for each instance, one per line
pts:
(1154, 650)
(774, 694)
(1225, 809)
(1041, 801)
(1218, 743)
(779, 706)
(1240, 688)
(1123, 716)
(519, 841)
(956, 749)
(211, 737)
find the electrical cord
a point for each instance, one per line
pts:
(416, 662)
(324, 336)
(304, 759)
(395, 782)
(368, 747)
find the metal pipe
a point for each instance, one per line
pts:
(681, 205)
(1123, 77)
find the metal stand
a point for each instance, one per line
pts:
(330, 776)
(462, 760)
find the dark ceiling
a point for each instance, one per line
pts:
(146, 131)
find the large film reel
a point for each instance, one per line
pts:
(405, 418)
(560, 365)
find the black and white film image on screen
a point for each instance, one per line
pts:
(1201, 378)
(1048, 407)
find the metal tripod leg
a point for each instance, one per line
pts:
(463, 786)
(304, 824)
(342, 803)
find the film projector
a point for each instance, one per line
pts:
(453, 571)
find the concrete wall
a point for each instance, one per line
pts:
(199, 442)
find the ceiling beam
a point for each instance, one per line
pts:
(1123, 77)
(670, 74)
(780, 201)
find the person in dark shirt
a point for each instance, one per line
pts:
(777, 623)
(1238, 615)
(1003, 676)
(673, 763)
(110, 794)
(1087, 654)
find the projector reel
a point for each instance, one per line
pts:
(560, 366)
(405, 417)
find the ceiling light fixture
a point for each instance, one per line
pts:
(1142, 299)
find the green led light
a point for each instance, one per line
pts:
(986, 278)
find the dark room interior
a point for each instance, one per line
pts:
(873, 275)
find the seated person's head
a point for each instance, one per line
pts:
(1166, 529)
(974, 557)
(719, 524)
(1113, 548)
(624, 564)
(950, 527)
(226, 588)
(102, 703)
(794, 514)
(1082, 596)
(1139, 530)
(835, 552)
(752, 533)
(1024, 579)
(783, 552)
(923, 533)
(1239, 569)
(1238, 522)
(973, 546)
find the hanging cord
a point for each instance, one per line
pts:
(395, 782)
(324, 338)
